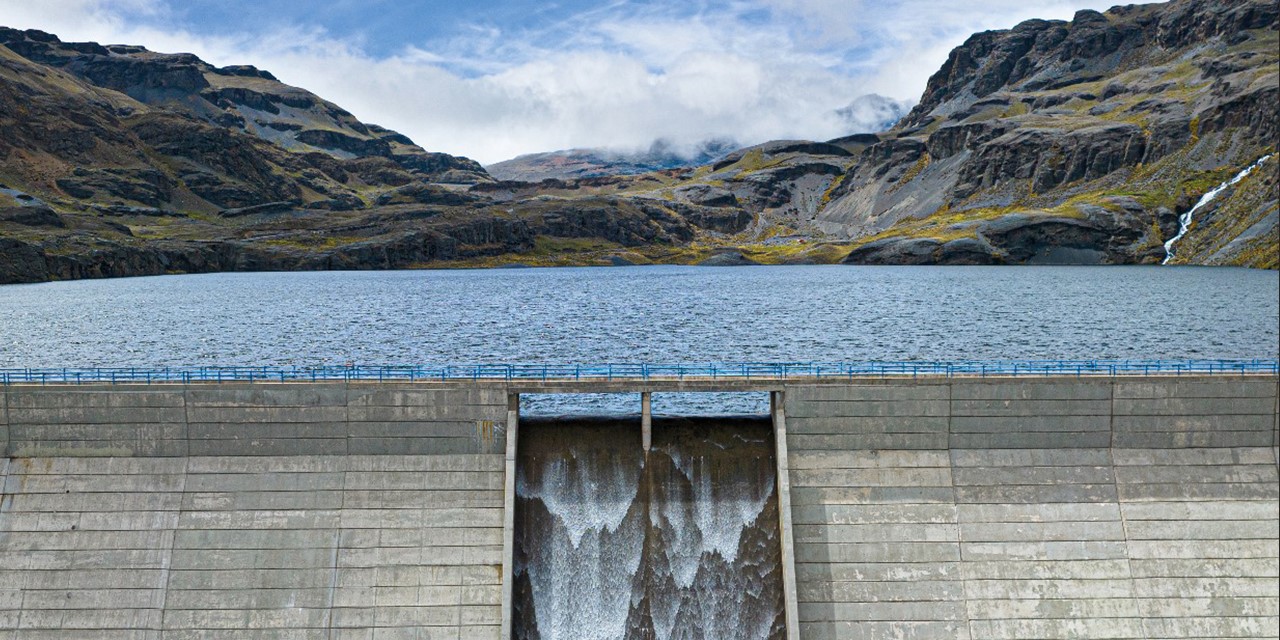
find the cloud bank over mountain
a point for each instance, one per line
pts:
(515, 76)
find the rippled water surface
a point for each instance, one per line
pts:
(649, 314)
(643, 314)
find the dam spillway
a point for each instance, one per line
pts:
(936, 507)
(680, 542)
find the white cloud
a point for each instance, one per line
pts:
(620, 76)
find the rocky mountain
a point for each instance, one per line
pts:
(595, 163)
(868, 113)
(1081, 141)
(1051, 142)
(1077, 142)
(117, 161)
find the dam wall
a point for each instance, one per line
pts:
(1128, 507)
(1036, 509)
(276, 511)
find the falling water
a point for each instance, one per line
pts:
(1184, 221)
(681, 545)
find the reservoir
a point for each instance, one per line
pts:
(644, 314)
(661, 314)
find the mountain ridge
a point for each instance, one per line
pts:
(1075, 141)
(865, 115)
(601, 162)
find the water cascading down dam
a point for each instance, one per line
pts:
(680, 542)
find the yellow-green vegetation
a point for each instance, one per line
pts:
(1162, 183)
(764, 253)
(1249, 203)
(920, 165)
(1181, 72)
(1018, 108)
(754, 160)
(947, 224)
(1155, 236)
(990, 113)
(1260, 253)
(835, 184)
(772, 231)
(932, 127)
(586, 252)
(154, 230)
(547, 245)
(700, 172)
(549, 251)
(313, 241)
(815, 252)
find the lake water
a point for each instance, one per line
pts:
(644, 314)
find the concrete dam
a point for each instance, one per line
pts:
(1095, 506)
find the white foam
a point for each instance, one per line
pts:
(584, 499)
(586, 572)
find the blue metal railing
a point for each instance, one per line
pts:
(628, 371)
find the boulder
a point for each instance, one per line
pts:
(35, 216)
(728, 259)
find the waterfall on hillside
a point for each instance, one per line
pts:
(682, 545)
(1184, 221)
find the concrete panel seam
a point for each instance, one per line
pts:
(950, 411)
(1112, 420)
(346, 412)
(1124, 527)
(4, 446)
(959, 529)
(186, 422)
(335, 557)
(173, 541)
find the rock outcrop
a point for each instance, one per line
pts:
(1026, 139)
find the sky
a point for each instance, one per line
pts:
(498, 78)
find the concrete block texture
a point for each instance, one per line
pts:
(334, 418)
(411, 546)
(285, 419)
(969, 413)
(4, 419)
(921, 509)
(1037, 543)
(242, 546)
(94, 420)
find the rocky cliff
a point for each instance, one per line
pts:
(1075, 142)
(1080, 141)
(1051, 142)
